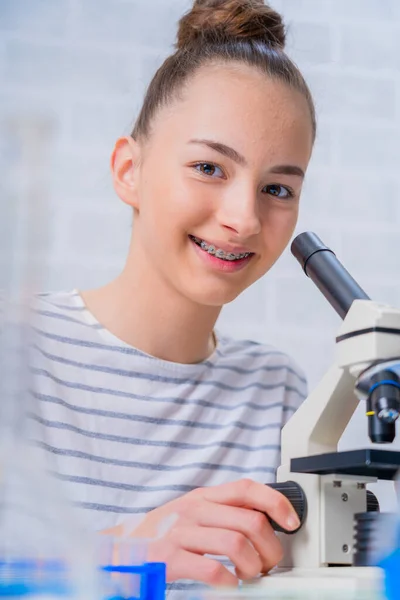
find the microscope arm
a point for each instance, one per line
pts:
(318, 424)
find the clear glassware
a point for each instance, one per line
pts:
(44, 550)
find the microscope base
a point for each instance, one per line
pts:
(332, 579)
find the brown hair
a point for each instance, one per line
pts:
(246, 31)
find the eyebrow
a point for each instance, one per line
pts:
(240, 159)
(222, 149)
(288, 170)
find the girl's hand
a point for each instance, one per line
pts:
(225, 520)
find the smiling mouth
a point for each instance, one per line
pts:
(218, 252)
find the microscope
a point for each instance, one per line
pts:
(329, 488)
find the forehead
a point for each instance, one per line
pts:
(242, 107)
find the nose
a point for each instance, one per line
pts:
(238, 211)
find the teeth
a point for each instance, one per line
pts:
(217, 251)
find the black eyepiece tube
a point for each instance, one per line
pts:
(326, 271)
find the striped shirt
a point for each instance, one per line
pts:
(127, 432)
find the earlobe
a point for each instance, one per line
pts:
(124, 170)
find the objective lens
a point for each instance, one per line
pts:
(383, 407)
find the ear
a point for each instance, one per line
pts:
(125, 170)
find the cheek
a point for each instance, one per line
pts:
(171, 208)
(279, 227)
(187, 203)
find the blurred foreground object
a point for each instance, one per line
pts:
(43, 548)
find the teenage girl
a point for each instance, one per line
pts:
(142, 406)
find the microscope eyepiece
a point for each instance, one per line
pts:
(329, 275)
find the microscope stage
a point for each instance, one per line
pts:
(367, 462)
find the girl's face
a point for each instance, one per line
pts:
(219, 178)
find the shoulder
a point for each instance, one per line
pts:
(56, 309)
(258, 354)
(58, 301)
(269, 365)
(61, 324)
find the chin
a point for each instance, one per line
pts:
(213, 295)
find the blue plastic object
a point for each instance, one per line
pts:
(31, 578)
(152, 580)
(391, 567)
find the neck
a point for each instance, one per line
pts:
(144, 311)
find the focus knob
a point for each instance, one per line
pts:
(296, 496)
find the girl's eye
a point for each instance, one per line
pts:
(209, 169)
(279, 191)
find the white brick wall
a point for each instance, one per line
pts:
(84, 64)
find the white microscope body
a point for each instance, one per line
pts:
(366, 369)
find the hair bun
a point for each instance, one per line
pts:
(224, 19)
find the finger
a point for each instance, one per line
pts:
(114, 531)
(251, 523)
(220, 542)
(187, 565)
(182, 564)
(250, 494)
